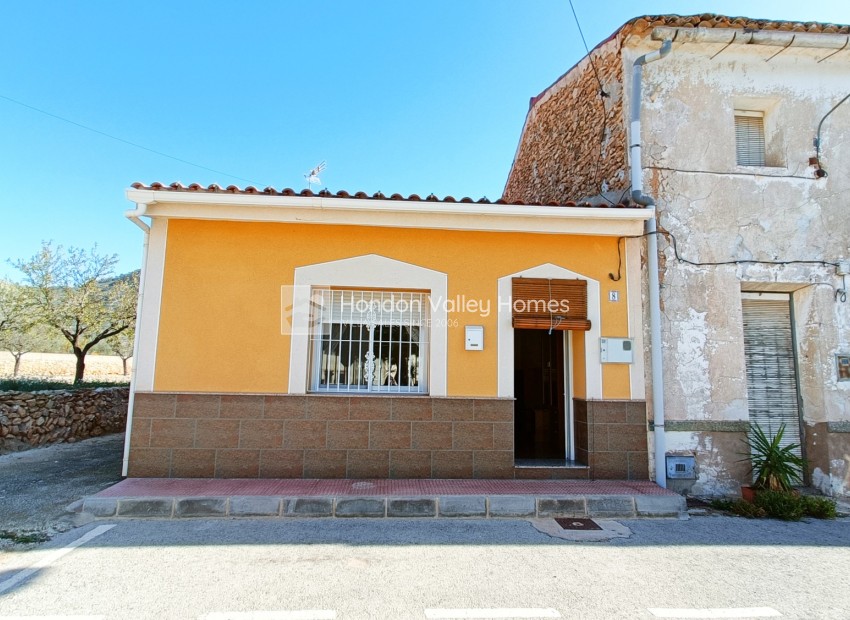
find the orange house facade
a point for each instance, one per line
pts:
(301, 335)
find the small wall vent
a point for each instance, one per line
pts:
(681, 467)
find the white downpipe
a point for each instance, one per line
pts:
(652, 263)
(133, 216)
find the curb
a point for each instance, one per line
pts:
(453, 506)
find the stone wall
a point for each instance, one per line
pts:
(828, 455)
(50, 416)
(318, 436)
(611, 438)
(573, 144)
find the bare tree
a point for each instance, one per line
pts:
(22, 340)
(122, 346)
(10, 306)
(17, 324)
(73, 291)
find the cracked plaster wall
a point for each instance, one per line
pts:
(719, 211)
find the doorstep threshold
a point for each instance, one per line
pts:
(548, 464)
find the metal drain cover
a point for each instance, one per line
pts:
(575, 523)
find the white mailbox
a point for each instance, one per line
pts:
(617, 351)
(474, 337)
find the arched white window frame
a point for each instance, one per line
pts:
(370, 271)
(593, 366)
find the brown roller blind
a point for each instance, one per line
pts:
(541, 303)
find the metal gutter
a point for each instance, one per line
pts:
(652, 262)
(134, 215)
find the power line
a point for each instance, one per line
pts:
(587, 49)
(122, 140)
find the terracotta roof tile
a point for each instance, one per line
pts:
(639, 25)
(271, 191)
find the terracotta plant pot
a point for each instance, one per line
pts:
(748, 494)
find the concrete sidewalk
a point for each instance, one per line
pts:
(205, 498)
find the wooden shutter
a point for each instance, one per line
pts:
(771, 369)
(541, 303)
(749, 138)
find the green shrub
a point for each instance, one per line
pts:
(746, 509)
(721, 504)
(34, 385)
(819, 507)
(776, 467)
(785, 505)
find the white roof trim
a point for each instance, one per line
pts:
(391, 213)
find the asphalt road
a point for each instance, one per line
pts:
(36, 485)
(393, 568)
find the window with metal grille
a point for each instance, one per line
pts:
(369, 341)
(749, 138)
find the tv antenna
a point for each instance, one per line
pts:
(313, 176)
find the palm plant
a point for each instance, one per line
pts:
(776, 467)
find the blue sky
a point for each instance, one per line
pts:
(396, 96)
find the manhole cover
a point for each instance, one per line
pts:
(574, 523)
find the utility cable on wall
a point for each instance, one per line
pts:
(672, 239)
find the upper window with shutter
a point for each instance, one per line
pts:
(749, 138)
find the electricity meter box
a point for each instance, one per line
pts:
(617, 351)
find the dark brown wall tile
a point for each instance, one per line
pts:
(493, 410)
(411, 408)
(327, 408)
(627, 438)
(410, 464)
(607, 412)
(582, 436)
(217, 434)
(368, 464)
(285, 407)
(198, 405)
(473, 436)
(451, 464)
(148, 405)
(149, 463)
(503, 436)
(193, 463)
(599, 437)
(303, 434)
(638, 466)
(636, 412)
(370, 408)
(610, 466)
(493, 464)
(580, 410)
(345, 435)
(432, 436)
(140, 434)
(325, 463)
(241, 406)
(172, 433)
(237, 464)
(389, 435)
(281, 463)
(453, 409)
(261, 434)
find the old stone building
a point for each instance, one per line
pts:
(746, 151)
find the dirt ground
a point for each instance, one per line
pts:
(37, 485)
(60, 367)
